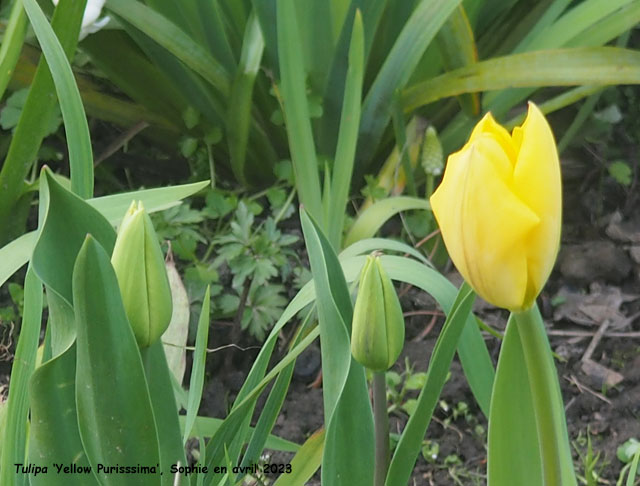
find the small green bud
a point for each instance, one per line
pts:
(377, 334)
(432, 154)
(142, 277)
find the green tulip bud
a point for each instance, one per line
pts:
(142, 277)
(377, 334)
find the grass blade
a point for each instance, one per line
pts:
(199, 361)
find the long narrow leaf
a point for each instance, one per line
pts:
(415, 37)
(406, 452)
(558, 67)
(173, 39)
(14, 439)
(348, 137)
(296, 109)
(75, 121)
(12, 40)
(199, 361)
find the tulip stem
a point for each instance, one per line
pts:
(381, 421)
(547, 399)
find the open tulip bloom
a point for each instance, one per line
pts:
(499, 210)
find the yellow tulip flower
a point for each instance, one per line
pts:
(499, 209)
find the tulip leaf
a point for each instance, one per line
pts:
(472, 350)
(18, 252)
(412, 436)
(75, 120)
(513, 448)
(165, 411)
(14, 435)
(54, 434)
(348, 450)
(371, 219)
(115, 415)
(65, 221)
(306, 461)
(554, 67)
(366, 246)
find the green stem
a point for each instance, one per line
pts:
(381, 422)
(547, 399)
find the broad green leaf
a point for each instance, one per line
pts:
(371, 219)
(557, 67)
(172, 38)
(65, 222)
(14, 433)
(296, 109)
(408, 447)
(53, 434)
(199, 362)
(165, 411)
(306, 461)
(348, 135)
(75, 121)
(348, 451)
(513, 448)
(15, 254)
(115, 416)
(415, 37)
(18, 252)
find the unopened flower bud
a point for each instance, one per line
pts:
(139, 266)
(377, 334)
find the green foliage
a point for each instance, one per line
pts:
(249, 262)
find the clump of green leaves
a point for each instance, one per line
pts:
(234, 243)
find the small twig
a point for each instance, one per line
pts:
(448, 426)
(426, 330)
(423, 313)
(595, 340)
(426, 238)
(120, 141)
(586, 334)
(213, 350)
(582, 388)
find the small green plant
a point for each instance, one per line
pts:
(235, 245)
(590, 464)
(629, 453)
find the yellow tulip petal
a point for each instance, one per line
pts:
(484, 225)
(489, 127)
(537, 182)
